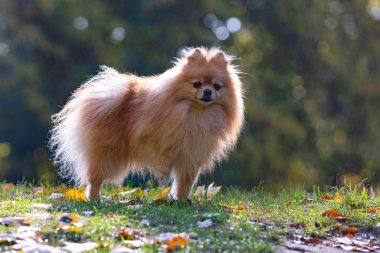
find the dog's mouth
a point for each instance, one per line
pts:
(206, 99)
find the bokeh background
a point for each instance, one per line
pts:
(312, 72)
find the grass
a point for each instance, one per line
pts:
(241, 221)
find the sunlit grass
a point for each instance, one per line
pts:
(262, 220)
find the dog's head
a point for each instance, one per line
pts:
(207, 76)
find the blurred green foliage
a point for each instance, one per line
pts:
(312, 71)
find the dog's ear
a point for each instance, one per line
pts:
(220, 59)
(196, 56)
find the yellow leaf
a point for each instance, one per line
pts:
(162, 194)
(77, 195)
(211, 191)
(70, 218)
(200, 191)
(75, 229)
(176, 242)
(338, 198)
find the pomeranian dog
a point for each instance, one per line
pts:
(174, 125)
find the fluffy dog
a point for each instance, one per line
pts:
(174, 125)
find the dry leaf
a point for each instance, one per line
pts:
(130, 192)
(70, 222)
(80, 247)
(166, 237)
(370, 210)
(312, 240)
(30, 245)
(162, 194)
(70, 218)
(129, 233)
(134, 243)
(176, 242)
(42, 205)
(231, 208)
(14, 221)
(200, 191)
(205, 224)
(332, 214)
(76, 195)
(327, 197)
(8, 186)
(350, 230)
(211, 190)
(131, 202)
(338, 198)
(56, 196)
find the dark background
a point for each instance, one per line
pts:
(311, 75)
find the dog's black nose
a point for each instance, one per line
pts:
(207, 93)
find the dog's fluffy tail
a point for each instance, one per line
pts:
(67, 138)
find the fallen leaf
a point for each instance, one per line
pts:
(344, 240)
(8, 239)
(176, 242)
(70, 218)
(332, 214)
(56, 196)
(311, 240)
(231, 208)
(165, 237)
(76, 195)
(14, 221)
(80, 247)
(42, 205)
(138, 192)
(370, 210)
(210, 192)
(338, 198)
(162, 194)
(131, 202)
(8, 186)
(70, 222)
(134, 243)
(131, 234)
(240, 207)
(342, 219)
(200, 191)
(205, 224)
(30, 245)
(327, 197)
(145, 222)
(130, 192)
(350, 230)
(50, 190)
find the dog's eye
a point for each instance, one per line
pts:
(197, 84)
(217, 86)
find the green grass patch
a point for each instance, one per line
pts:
(231, 221)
